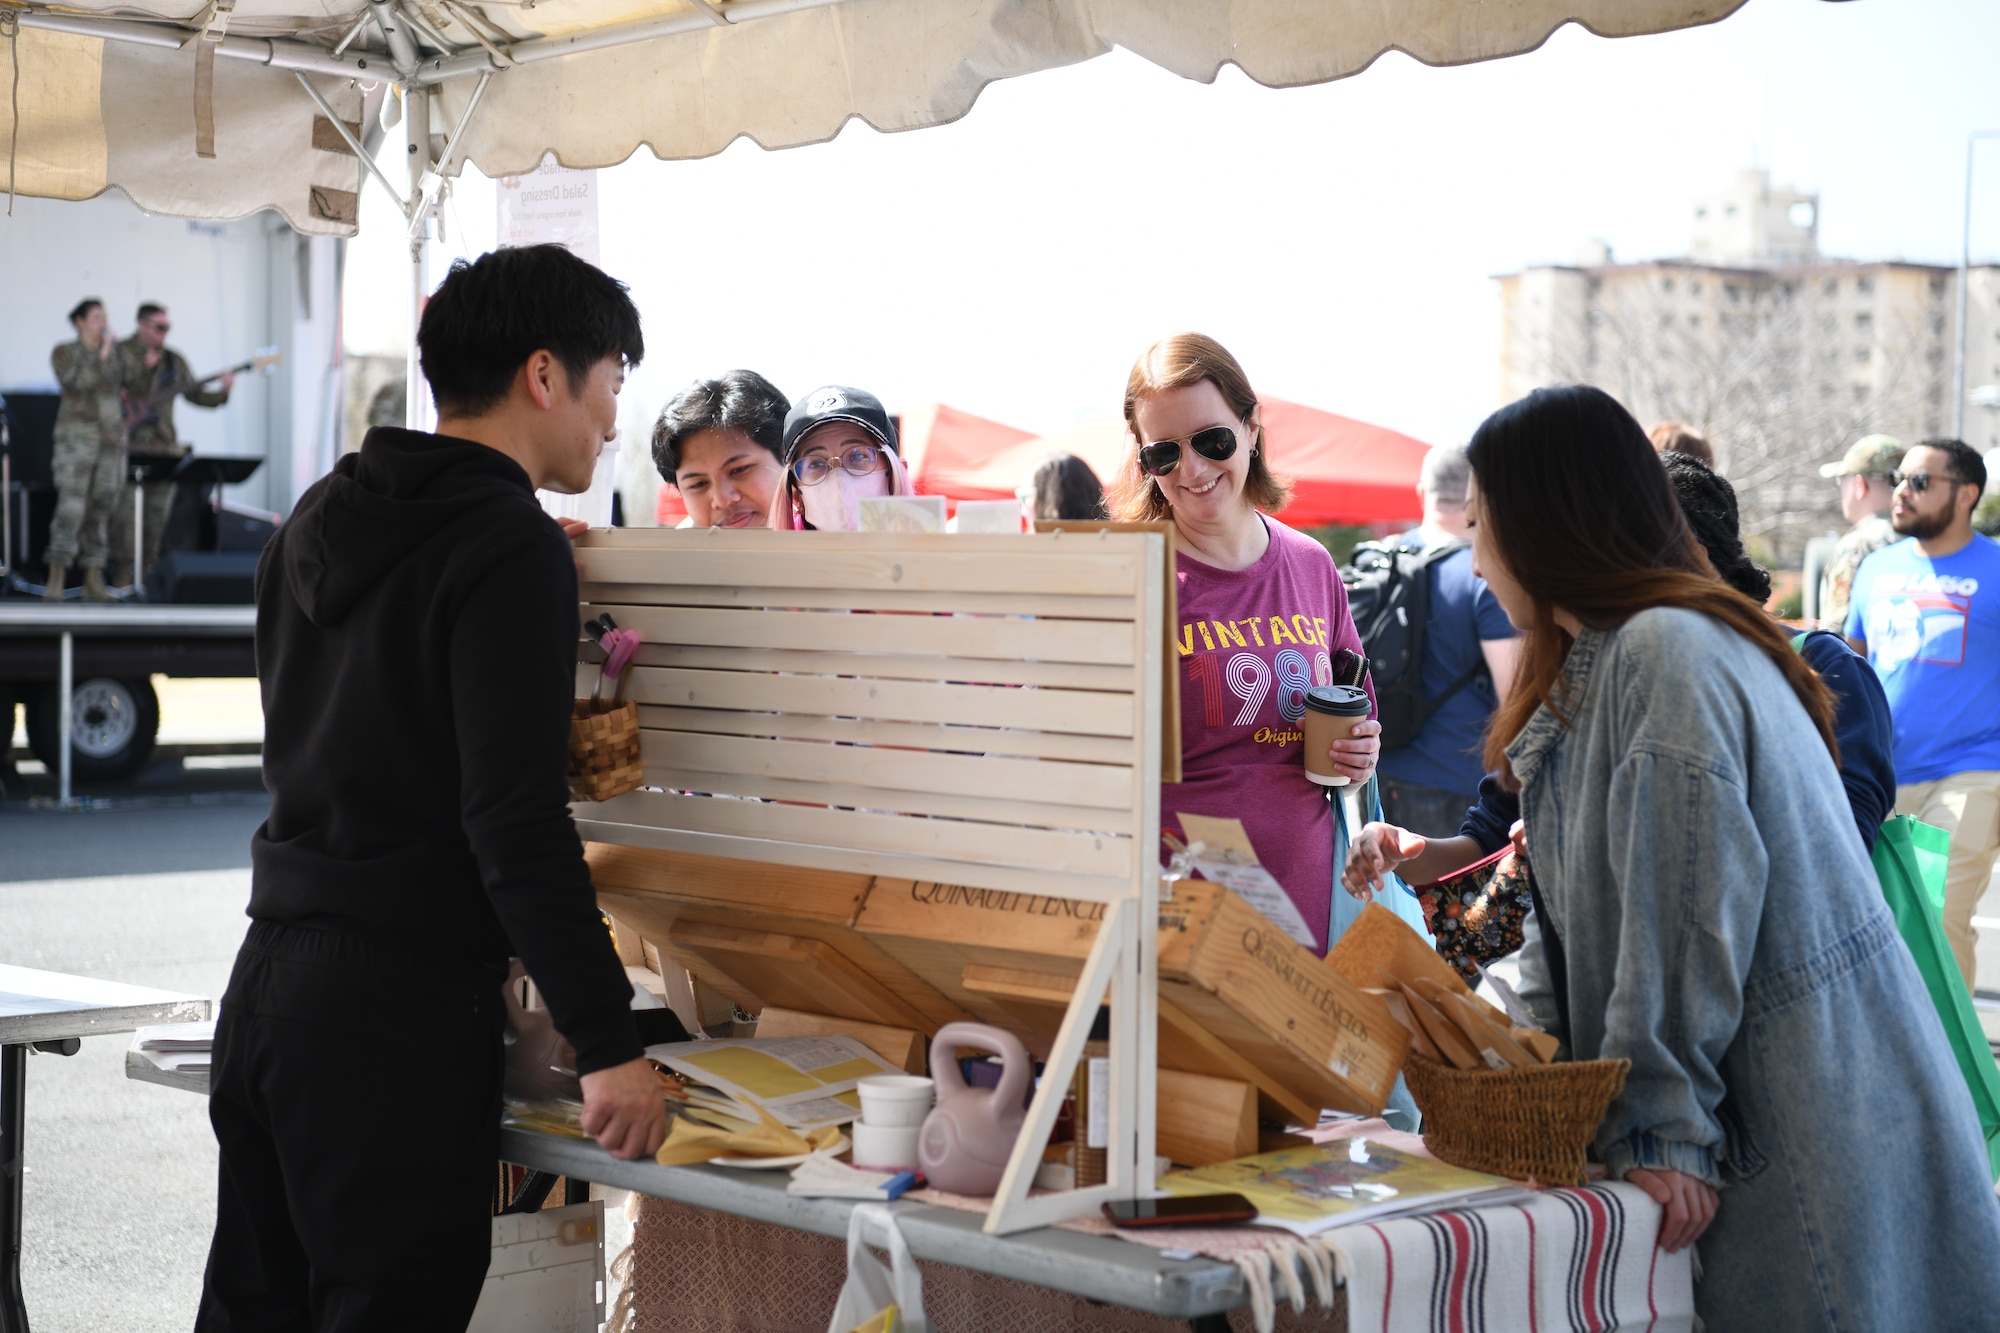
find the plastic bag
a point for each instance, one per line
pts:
(1910, 861)
(870, 1287)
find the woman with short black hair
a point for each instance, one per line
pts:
(719, 442)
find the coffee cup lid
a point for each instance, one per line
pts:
(1340, 700)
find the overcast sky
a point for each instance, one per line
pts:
(1341, 239)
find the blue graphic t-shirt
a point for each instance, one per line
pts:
(1446, 754)
(1932, 628)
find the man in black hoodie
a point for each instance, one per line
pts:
(416, 646)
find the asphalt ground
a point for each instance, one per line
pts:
(120, 1191)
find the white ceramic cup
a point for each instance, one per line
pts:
(896, 1101)
(886, 1147)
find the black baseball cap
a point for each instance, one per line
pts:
(835, 402)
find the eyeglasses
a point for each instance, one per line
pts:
(1217, 443)
(858, 461)
(1919, 482)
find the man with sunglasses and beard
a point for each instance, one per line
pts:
(1926, 611)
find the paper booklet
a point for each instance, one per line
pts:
(805, 1082)
(1310, 1190)
(176, 1036)
(1227, 858)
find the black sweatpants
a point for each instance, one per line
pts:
(355, 1095)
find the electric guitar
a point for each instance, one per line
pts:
(138, 411)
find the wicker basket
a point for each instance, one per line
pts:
(604, 751)
(1521, 1123)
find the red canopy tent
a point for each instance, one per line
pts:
(1342, 470)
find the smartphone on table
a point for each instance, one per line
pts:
(1185, 1210)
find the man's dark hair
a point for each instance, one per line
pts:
(83, 309)
(149, 309)
(740, 400)
(1709, 502)
(1966, 464)
(489, 316)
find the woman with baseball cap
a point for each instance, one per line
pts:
(839, 449)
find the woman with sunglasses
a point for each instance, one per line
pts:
(1705, 908)
(1262, 614)
(839, 449)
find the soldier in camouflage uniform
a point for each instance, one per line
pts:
(89, 457)
(1865, 495)
(155, 374)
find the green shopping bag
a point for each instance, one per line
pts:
(1910, 861)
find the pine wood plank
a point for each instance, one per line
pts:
(910, 735)
(1104, 643)
(1088, 713)
(1053, 606)
(1204, 1120)
(620, 825)
(796, 972)
(880, 561)
(1099, 787)
(874, 666)
(996, 813)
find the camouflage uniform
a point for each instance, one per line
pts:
(154, 436)
(1836, 581)
(89, 460)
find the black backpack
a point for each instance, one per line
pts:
(1389, 595)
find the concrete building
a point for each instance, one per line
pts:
(1781, 357)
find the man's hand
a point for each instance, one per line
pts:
(1379, 849)
(1354, 758)
(573, 527)
(1689, 1203)
(624, 1110)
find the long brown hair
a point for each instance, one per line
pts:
(1178, 361)
(1578, 507)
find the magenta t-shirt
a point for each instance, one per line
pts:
(1251, 643)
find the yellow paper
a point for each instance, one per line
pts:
(882, 1321)
(697, 1136)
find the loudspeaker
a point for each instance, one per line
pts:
(206, 578)
(31, 434)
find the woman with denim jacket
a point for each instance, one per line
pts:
(1706, 909)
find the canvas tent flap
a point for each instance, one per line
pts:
(107, 91)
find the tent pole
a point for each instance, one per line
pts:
(417, 135)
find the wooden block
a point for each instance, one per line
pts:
(901, 1047)
(1203, 1120)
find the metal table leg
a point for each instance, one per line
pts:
(65, 685)
(13, 1124)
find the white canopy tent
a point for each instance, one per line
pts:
(215, 109)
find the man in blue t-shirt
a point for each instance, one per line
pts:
(1428, 783)
(1927, 613)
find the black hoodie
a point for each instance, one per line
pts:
(416, 647)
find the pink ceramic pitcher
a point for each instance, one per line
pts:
(968, 1137)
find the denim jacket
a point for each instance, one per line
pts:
(1724, 931)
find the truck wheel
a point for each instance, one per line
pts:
(113, 723)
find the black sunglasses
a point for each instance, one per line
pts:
(1919, 482)
(1217, 444)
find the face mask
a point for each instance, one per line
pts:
(835, 504)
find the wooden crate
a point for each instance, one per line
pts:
(1238, 998)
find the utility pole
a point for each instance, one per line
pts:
(1964, 278)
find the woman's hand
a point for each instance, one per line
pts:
(1518, 835)
(1689, 1203)
(1354, 757)
(1379, 849)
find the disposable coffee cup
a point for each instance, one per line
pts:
(886, 1147)
(1331, 714)
(895, 1101)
